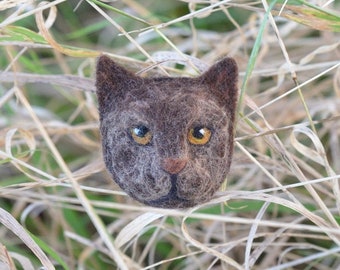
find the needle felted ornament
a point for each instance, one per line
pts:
(167, 141)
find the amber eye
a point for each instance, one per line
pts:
(141, 134)
(199, 135)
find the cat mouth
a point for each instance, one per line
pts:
(171, 200)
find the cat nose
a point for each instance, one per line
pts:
(173, 165)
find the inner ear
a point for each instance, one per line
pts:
(112, 81)
(221, 80)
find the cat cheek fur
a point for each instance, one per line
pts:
(132, 166)
(172, 105)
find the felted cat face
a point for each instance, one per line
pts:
(167, 142)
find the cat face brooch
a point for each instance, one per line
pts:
(167, 141)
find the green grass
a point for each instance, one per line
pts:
(280, 207)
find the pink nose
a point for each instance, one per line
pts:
(173, 165)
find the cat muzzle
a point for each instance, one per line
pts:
(173, 165)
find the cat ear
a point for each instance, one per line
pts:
(112, 81)
(221, 79)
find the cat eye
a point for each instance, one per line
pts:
(199, 135)
(141, 134)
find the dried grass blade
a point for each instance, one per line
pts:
(116, 254)
(312, 16)
(43, 28)
(13, 225)
(205, 248)
(135, 227)
(253, 56)
(6, 261)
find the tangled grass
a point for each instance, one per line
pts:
(280, 207)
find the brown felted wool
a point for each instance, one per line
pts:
(168, 142)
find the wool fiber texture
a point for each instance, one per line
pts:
(167, 169)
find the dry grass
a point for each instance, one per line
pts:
(281, 204)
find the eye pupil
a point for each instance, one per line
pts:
(140, 131)
(141, 134)
(198, 132)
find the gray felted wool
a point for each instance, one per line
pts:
(168, 142)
